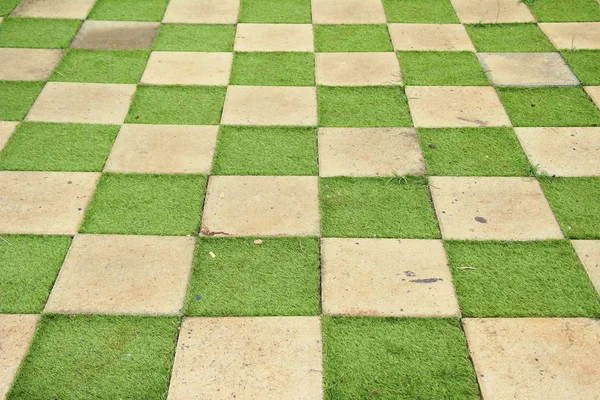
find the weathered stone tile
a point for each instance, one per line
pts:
(6, 130)
(573, 35)
(75, 9)
(27, 64)
(589, 254)
(348, 12)
(16, 331)
(594, 93)
(188, 68)
(274, 37)
(202, 11)
(357, 69)
(115, 35)
(434, 37)
(492, 11)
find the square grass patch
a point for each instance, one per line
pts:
(508, 38)
(362, 106)
(564, 10)
(266, 151)
(420, 11)
(396, 358)
(100, 357)
(16, 98)
(377, 207)
(520, 279)
(576, 204)
(273, 69)
(441, 68)
(28, 266)
(473, 152)
(556, 106)
(178, 105)
(280, 11)
(38, 33)
(140, 204)
(129, 10)
(585, 64)
(194, 37)
(352, 37)
(6, 6)
(278, 277)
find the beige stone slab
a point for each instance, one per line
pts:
(187, 68)
(91, 103)
(123, 274)
(594, 93)
(348, 12)
(202, 11)
(426, 37)
(498, 208)
(27, 64)
(456, 106)
(6, 130)
(16, 331)
(74, 9)
(562, 151)
(357, 69)
(573, 35)
(157, 149)
(50, 203)
(261, 205)
(492, 11)
(274, 37)
(248, 358)
(589, 254)
(115, 35)
(386, 277)
(536, 358)
(527, 69)
(369, 152)
(270, 105)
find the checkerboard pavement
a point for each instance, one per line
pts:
(339, 199)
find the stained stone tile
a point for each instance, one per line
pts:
(6, 130)
(273, 357)
(430, 37)
(115, 35)
(274, 37)
(27, 64)
(484, 208)
(535, 358)
(270, 105)
(357, 69)
(562, 151)
(44, 202)
(386, 277)
(121, 274)
(76, 9)
(589, 254)
(573, 35)
(348, 12)
(455, 106)
(202, 11)
(92, 103)
(157, 149)
(594, 93)
(261, 205)
(16, 331)
(183, 68)
(369, 152)
(492, 11)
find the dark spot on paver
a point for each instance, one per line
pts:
(410, 273)
(207, 232)
(426, 280)
(481, 220)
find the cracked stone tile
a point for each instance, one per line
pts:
(492, 11)
(27, 64)
(348, 12)
(430, 37)
(115, 35)
(16, 331)
(78, 9)
(6, 130)
(573, 35)
(357, 69)
(589, 254)
(187, 68)
(274, 37)
(202, 11)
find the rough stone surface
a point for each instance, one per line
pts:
(357, 69)
(183, 68)
(573, 35)
(589, 254)
(27, 64)
(202, 11)
(6, 130)
(115, 35)
(348, 12)
(274, 37)
(492, 11)
(433, 37)
(16, 331)
(75, 9)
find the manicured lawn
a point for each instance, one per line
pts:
(6, 6)
(350, 38)
(273, 69)
(441, 68)
(16, 98)
(102, 66)
(194, 37)
(129, 10)
(509, 38)
(38, 33)
(564, 10)
(420, 11)
(281, 11)
(585, 64)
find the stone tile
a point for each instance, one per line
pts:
(92, 103)
(438, 37)
(485, 208)
(369, 152)
(348, 12)
(163, 149)
(527, 69)
(270, 105)
(16, 331)
(50, 203)
(573, 35)
(456, 106)
(27, 64)
(248, 358)
(115, 35)
(6, 130)
(274, 37)
(589, 254)
(386, 277)
(202, 11)
(261, 205)
(563, 151)
(594, 93)
(183, 68)
(492, 11)
(75, 9)
(357, 69)
(535, 358)
(121, 274)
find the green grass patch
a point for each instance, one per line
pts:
(273, 69)
(564, 10)
(16, 98)
(99, 357)
(194, 37)
(441, 68)
(129, 10)
(420, 11)
(280, 11)
(38, 33)
(585, 64)
(352, 37)
(396, 358)
(101, 66)
(520, 279)
(146, 204)
(247, 150)
(509, 38)
(6, 6)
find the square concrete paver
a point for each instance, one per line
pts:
(121, 274)
(202, 11)
(536, 358)
(261, 205)
(157, 149)
(75, 9)
(386, 277)
(492, 11)
(369, 152)
(348, 12)
(92, 103)
(183, 68)
(594, 93)
(270, 105)
(27, 64)
(562, 151)
(527, 69)
(357, 69)
(274, 37)
(485, 208)
(434, 37)
(50, 203)
(573, 35)
(16, 331)
(456, 106)
(115, 35)
(6, 130)
(589, 254)
(248, 358)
